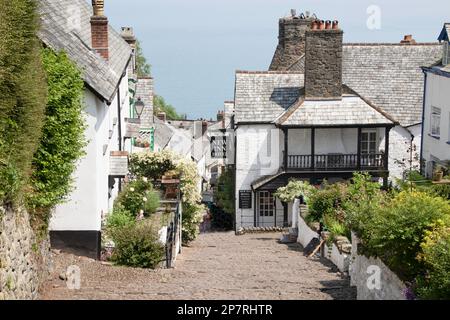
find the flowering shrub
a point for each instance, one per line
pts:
(138, 198)
(327, 202)
(435, 283)
(295, 189)
(192, 217)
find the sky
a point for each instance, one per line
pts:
(195, 46)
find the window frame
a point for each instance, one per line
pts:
(366, 143)
(435, 118)
(266, 204)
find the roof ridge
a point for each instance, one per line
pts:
(267, 72)
(392, 44)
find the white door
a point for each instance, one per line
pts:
(266, 209)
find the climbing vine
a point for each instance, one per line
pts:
(62, 143)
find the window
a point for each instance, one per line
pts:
(446, 56)
(266, 204)
(436, 122)
(369, 142)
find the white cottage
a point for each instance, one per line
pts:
(104, 57)
(436, 112)
(324, 111)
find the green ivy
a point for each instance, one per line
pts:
(63, 141)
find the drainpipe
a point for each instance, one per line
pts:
(119, 122)
(423, 122)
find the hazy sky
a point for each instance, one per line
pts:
(195, 46)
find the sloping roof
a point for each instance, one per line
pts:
(351, 110)
(390, 76)
(62, 30)
(263, 96)
(445, 34)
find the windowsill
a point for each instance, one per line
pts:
(434, 137)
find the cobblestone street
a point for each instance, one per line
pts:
(216, 266)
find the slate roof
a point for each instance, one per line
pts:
(389, 76)
(62, 30)
(351, 110)
(263, 96)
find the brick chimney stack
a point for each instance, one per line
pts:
(408, 39)
(323, 61)
(99, 29)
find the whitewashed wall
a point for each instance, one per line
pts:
(438, 95)
(258, 153)
(85, 207)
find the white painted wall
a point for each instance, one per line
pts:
(259, 153)
(91, 200)
(438, 95)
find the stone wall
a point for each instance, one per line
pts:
(24, 263)
(291, 45)
(372, 278)
(323, 69)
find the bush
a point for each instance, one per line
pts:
(364, 202)
(192, 217)
(435, 284)
(295, 189)
(335, 227)
(139, 195)
(327, 201)
(224, 194)
(137, 246)
(120, 218)
(396, 232)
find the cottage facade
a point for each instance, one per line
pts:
(324, 111)
(436, 113)
(84, 33)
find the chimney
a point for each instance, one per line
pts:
(99, 29)
(291, 40)
(127, 34)
(204, 127)
(220, 116)
(323, 61)
(162, 116)
(408, 39)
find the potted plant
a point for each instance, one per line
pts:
(438, 173)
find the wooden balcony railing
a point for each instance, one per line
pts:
(336, 162)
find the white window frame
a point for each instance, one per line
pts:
(365, 143)
(266, 204)
(435, 122)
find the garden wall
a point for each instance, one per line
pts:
(340, 259)
(24, 264)
(305, 233)
(362, 274)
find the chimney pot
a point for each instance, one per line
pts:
(314, 25)
(408, 39)
(99, 8)
(328, 25)
(321, 25)
(335, 25)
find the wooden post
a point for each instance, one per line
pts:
(286, 148)
(359, 148)
(386, 151)
(313, 148)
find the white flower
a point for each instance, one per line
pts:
(145, 179)
(132, 189)
(145, 199)
(141, 212)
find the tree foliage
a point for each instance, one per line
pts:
(23, 92)
(160, 105)
(224, 194)
(142, 66)
(63, 140)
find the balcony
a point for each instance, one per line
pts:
(336, 162)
